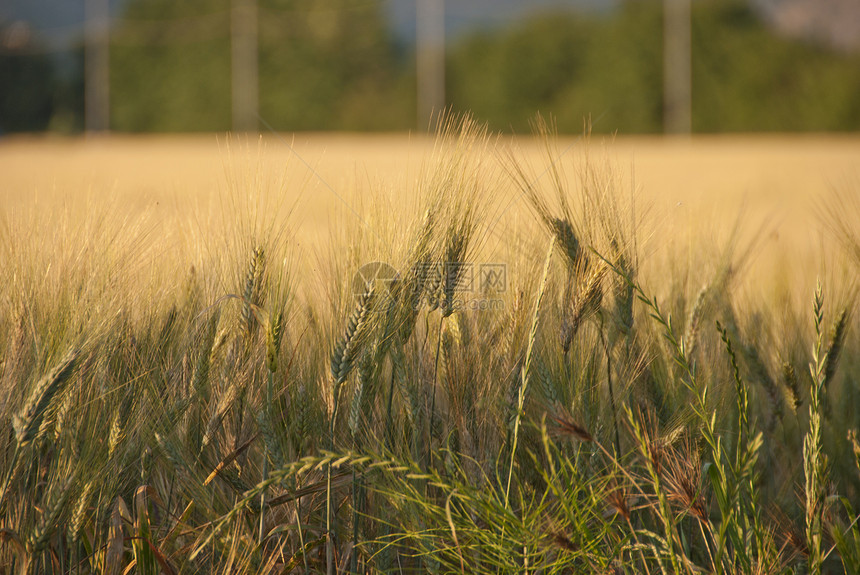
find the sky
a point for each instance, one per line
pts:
(464, 15)
(58, 22)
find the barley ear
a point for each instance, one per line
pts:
(586, 303)
(454, 266)
(837, 340)
(623, 292)
(116, 435)
(27, 422)
(63, 416)
(433, 284)
(566, 237)
(855, 446)
(361, 394)
(350, 344)
(398, 364)
(547, 382)
(200, 377)
(692, 329)
(791, 385)
(252, 293)
(47, 525)
(80, 513)
(273, 341)
(225, 403)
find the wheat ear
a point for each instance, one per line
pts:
(251, 294)
(347, 348)
(27, 421)
(47, 525)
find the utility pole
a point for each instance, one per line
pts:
(244, 71)
(430, 39)
(96, 66)
(677, 90)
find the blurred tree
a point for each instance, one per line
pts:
(334, 64)
(27, 80)
(327, 64)
(170, 66)
(745, 78)
(568, 65)
(68, 96)
(609, 66)
(505, 78)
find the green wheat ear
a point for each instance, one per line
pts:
(351, 342)
(252, 292)
(273, 341)
(563, 231)
(834, 349)
(27, 422)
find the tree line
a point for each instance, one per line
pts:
(337, 65)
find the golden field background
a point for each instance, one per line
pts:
(689, 193)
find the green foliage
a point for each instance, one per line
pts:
(26, 101)
(747, 79)
(335, 65)
(170, 67)
(325, 66)
(610, 66)
(329, 66)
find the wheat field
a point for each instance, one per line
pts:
(200, 374)
(697, 187)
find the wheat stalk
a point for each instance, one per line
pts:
(524, 373)
(345, 352)
(274, 332)
(814, 461)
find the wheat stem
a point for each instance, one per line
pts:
(433, 390)
(813, 459)
(524, 374)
